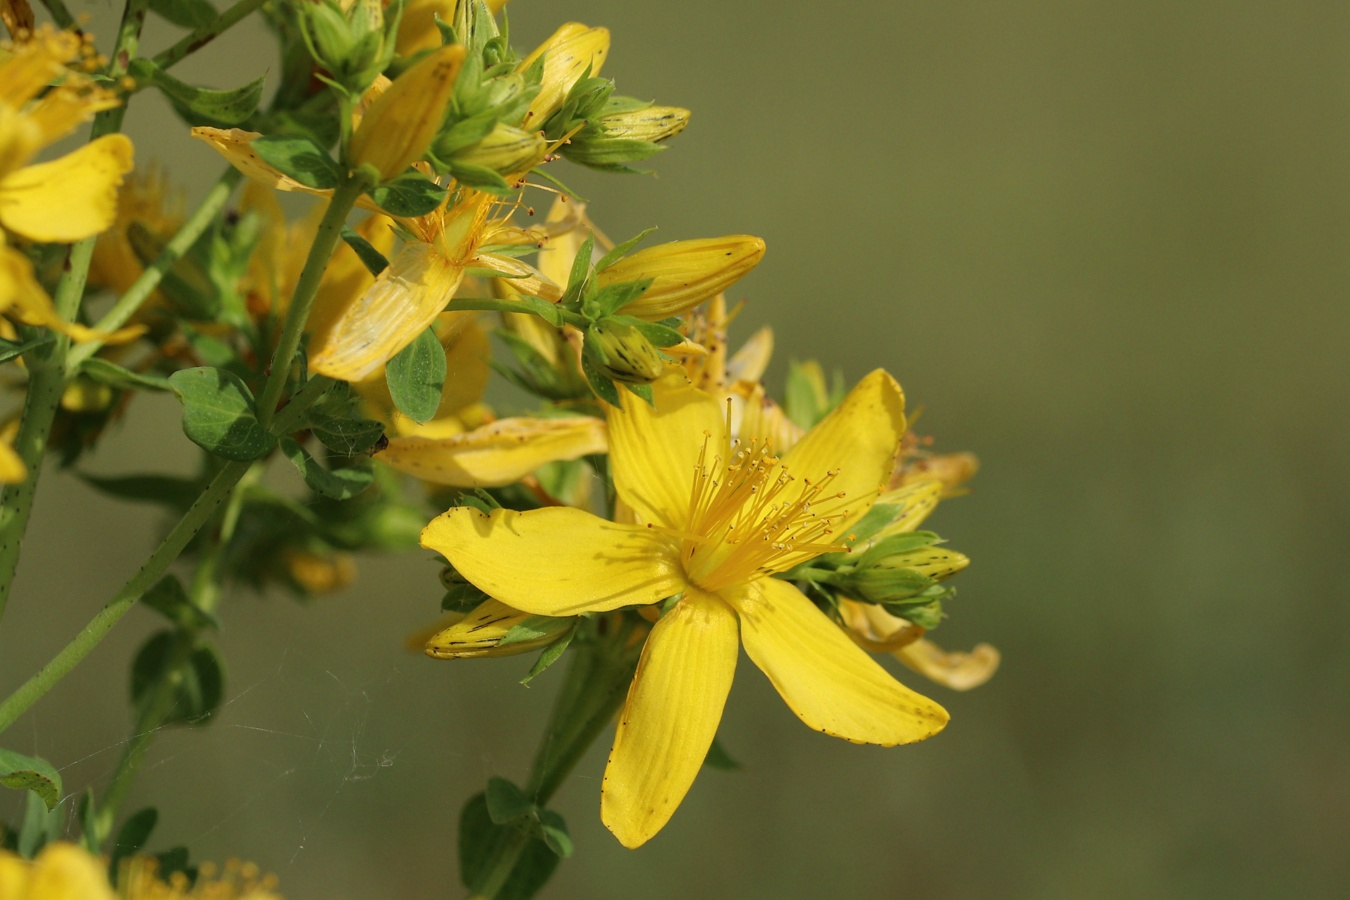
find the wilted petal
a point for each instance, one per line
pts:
(70, 198)
(670, 718)
(403, 301)
(828, 681)
(233, 144)
(557, 561)
(496, 454)
(958, 671)
(653, 452)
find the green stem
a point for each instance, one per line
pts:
(61, 16)
(47, 379)
(594, 688)
(204, 593)
(206, 34)
(197, 516)
(325, 241)
(144, 286)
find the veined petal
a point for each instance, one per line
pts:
(670, 718)
(70, 198)
(404, 300)
(831, 684)
(684, 273)
(557, 561)
(496, 454)
(956, 670)
(653, 452)
(522, 277)
(858, 441)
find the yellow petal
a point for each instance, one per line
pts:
(858, 441)
(874, 629)
(70, 198)
(417, 29)
(831, 684)
(22, 297)
(403, 301)
(15, 873)
(399, 126)
(496, 454)
(558, 561)
(63, 871)
(568, 54)
(958, 671)
(653, 452)
(917, 500)
(752, 359)
(670, 718)
(345, 279)
(684, 273)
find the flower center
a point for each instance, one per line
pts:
(750, 517)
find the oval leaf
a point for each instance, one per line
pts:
(201, 106)
(218, 414)
(199, 681)
(416, 377)
(27, 773)
(301, 159)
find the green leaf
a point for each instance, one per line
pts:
(230, 107)
(36, 830)
(372, 259)
(191, 14)
(168, 598)
(87, 813)
(9, 349)
(347, 437)
(482, 842)
(719, 759)
(553, 830)
(600, 383)
(551, 654)
(408, 195)
(113, 375)
(300, 158)
(199, 682)
(28, 773)
(175, 493)
(338, 484)
(506, 802)
(416, 377)
(131, 837)
(218, 414)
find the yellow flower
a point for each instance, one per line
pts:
(64, 871)
(717, 520)
(67, 199)
(398, 127)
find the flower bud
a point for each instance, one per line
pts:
(899, 576)
(485, 632)
(623, 353)
(354, 44)
(683, 273)
(568, 54)
(625, 137)
(400, 125)
(653, 124)
(506, 151)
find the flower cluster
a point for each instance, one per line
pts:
(648, 510)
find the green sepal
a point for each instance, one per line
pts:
(416, 377)
(463, 598)
(199, 685)
(9, 349)
(613, 297)
(530, 629)
(482, 842)
(191, 14)
(611, 154)
(301, 159)
(336, 484)
(479, 177)
(506, 802)
(602, 385)
(201, 106)
(927, 615)
(660, 335)
(218, 414)
(644, 391)
(895, 544)
(578, 276)
(718, 758)
(374, 261)
(408, 195)
(621, 250)
(550, 654)
(131, 837)
(113, 375)
(168, 598)
(877, 518)
(28, 773)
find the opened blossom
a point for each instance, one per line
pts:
(717, 518)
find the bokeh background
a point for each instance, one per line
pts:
(1103, 245)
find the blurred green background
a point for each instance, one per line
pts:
(1105, 246)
